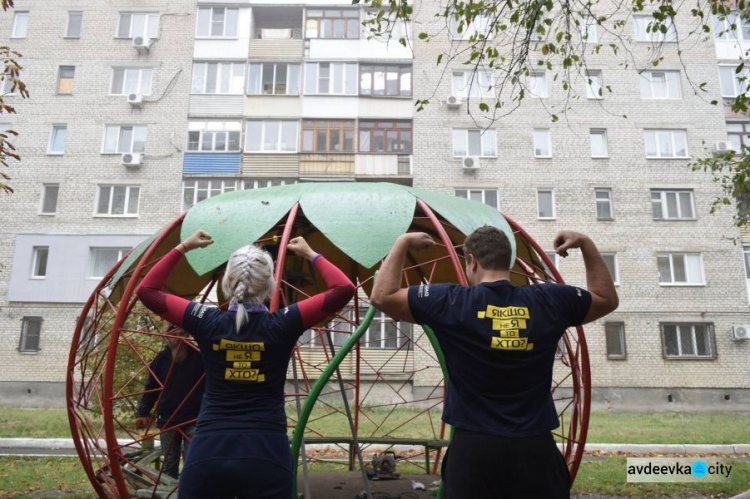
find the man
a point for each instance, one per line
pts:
(499, 343)
(185, 382)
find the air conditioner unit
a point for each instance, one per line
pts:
(141, 44)
(471, 163)
(135, 100)
(453, 102)
(132, 159)
(740, 333)
(722, 146)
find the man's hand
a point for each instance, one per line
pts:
(141, 422)
(200, 239)
(567, 239)
(299, 247)
(417, 241)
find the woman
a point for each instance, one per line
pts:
(241, 447)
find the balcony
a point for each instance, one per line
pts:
(326, 165)
(277, 33)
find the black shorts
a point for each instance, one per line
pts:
(479, 466)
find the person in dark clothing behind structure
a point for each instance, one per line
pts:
(241, 448)
(184, 382)
(499, 343)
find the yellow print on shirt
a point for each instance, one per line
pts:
(508, 322)
(240, 356)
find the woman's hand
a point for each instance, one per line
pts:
(299, 247)
(200, 239)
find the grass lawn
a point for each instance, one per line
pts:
(27, 476)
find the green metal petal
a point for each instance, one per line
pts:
(361, 219)
(133, 257)
(236, 219)
(466, 215)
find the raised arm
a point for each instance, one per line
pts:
(151, 291)
(598, 279)
(340, 288)
(387, 293)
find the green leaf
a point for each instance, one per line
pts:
(484, 107)
(423, 36)
(439, 58)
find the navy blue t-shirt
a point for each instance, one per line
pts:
(245, 371)
(499, 343)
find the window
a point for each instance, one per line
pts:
(688, 341)
(218, 77)
(20, 24)
(603, 204)
(118, 200)
(733, 83)
(594, 84)
(329, 23)
(472, 84)
(738, 134)
(273, 78)
(610, 260)
(552, 258)
(214, 136)
(327, 136)
(666, 144)
(538, 84)
(475, 143)
(614, 333)
(126, 81)
(271, 136)
(672, 204)
(259, 183)
(132, 24)
(101, 260)
(599, 148)
(57, 139)
(480, 26)
(50, 193)
(6, 85)
(65, 79)
(335, 78)
(545, 203)
(31, 328)
(731, 28)
(746, 255)
(121, 139)
(486, 196)
(39, 266)
(542, 143)
(386, 333)
(660, 84)
(217, 22)
(75, 20)
(590, 32)
(645, 31)
(680, 268)
(385, 81)
(195, 191)
(385, 137)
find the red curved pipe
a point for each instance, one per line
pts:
(281, 255)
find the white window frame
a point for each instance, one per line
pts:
(213, 187)
(214, 128)
(647, 35)
(738, 138)
(248, 184)
(678, 330)
(603, 133)
(68, 25)
(594, 84)
(23, 340)
(128, 194)
(746, 258)
(554, 257)
(590, 29)
(685, 255)
(620, 331)
(234, 86)
(44, 197)
(121, 252)
(290, 85)
(725, 32)
(60, 79)
(474, 84)
(536, 90)
(607, 201)
(479, 195)
(657, 143)
(56, 129)
(648, 89)
(265, 124)
(312, 70)
(140, 128)
(539, 191)
(224, 30)
(148, 32)
(480, 25)
(36, 262)
(6, 86)
(488, 140)
(615, 266)
(548, 136)
(404, 334)
(662, 201)
(739, 81)
(20, 14)
(140, 80)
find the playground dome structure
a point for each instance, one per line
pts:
(359, 380)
